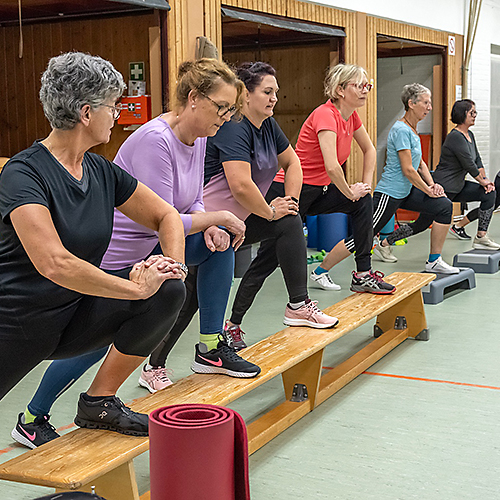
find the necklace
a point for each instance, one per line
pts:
(410, 125)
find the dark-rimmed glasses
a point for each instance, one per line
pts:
(116, 110)
(222, 110)
(473, 113)
(362, 86)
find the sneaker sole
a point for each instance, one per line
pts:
(199, 368)
(305, 322)
(382, 259)
(360, 289)
(17, 436)
(90, 424)
(442, 272)
(484, 247)
(144, 384)
(329, 289)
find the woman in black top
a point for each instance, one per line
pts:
(56, 206)
(459, 157)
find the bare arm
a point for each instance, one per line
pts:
(35, 229)
(422, 179)
(369, 154)
(328, 144)
(248, 195)
(147, 208)
(290, 163)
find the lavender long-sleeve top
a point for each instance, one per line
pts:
(156, 157)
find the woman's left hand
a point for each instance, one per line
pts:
(216, 239)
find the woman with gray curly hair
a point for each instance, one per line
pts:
(56, 204)
(407, 183)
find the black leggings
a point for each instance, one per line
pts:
(474, 214)
(431, 209)
(135, 327)
(287, 235)
(314, 200)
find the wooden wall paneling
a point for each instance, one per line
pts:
(301, 73)
(21, 112)
(155, 72)
(437, 113)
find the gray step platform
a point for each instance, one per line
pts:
(482, 261)
(434, 292)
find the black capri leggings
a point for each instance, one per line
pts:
(474, 214)
(314, 200)
(135, 327)
(431, 209)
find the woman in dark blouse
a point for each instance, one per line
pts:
(459, 157)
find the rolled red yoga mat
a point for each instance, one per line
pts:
(198, 452)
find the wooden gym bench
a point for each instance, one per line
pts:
(83, 458)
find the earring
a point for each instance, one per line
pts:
(193, 106)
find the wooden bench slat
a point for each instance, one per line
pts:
(59, 464)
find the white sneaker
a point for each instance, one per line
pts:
(440, 266)
(485, 243)
(324, 281)
(384, 254)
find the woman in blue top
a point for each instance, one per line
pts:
(407, 183)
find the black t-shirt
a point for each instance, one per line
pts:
(243, 141)
(82, 213)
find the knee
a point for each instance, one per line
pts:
(488, 199)
(365, 205)
(445, 212)
(173, 293)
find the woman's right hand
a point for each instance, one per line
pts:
(284, 206)
(235, 226)
(151, 274)
(359, 190)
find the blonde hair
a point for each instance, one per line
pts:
(339, 76)
(204, 77)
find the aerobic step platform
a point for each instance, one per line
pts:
(482, 261)
(435, 291)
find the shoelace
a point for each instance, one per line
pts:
(229, 352)
(313, 308)
(236, 333)
(377, 276)
(162, 373)
(46, 428)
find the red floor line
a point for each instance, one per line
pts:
(420, 379)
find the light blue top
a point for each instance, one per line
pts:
(393, 182)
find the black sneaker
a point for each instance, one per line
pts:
(223, 360)
(35, 433)
(233, 335)
(111, 414)
(371, 282)
(459, 232)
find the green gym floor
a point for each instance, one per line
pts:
(422, 424)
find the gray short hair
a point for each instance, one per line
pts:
(339, 76)
(73, 80)
(412, 92)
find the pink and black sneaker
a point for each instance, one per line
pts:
(223, 360)
(35, 433)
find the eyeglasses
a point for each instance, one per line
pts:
(362, 86)
(222, 110)
(473, 113)
(116, 110)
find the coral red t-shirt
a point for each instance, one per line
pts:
(324, 117)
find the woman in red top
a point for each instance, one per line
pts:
(323, 146)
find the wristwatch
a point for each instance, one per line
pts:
(183, 267)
